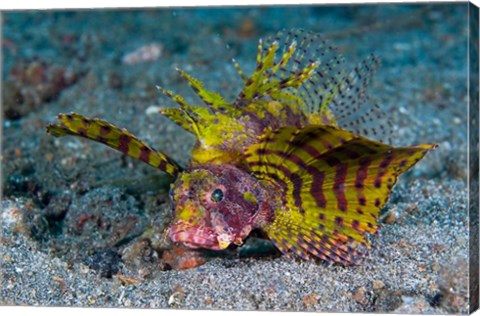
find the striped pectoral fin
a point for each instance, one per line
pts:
(306, 240)
(335, 183)
(357, 179)
(114, 137)
(372, 177)
(406, 157)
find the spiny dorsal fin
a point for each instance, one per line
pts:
(214, 100)
(110, 135)
(195, 119)
(329, 87)
(355, 110)
(270, 80)
(320, 87)
(335, 183)
(184, 116)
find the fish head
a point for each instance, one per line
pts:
(214, 206)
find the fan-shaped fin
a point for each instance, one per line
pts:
(335, 183)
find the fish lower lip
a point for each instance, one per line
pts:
(194, 237)
(195, 246)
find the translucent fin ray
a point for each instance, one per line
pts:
(354, 109)
(302, 68)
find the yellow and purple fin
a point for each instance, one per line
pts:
(273, 79)
(195, 119)
(114, 137)
(302, 68)
(335, 183)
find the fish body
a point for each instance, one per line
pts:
(293, 156)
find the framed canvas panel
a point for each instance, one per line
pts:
(318, 157)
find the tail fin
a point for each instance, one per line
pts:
(114, 137)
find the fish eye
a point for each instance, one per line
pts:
(217, 195)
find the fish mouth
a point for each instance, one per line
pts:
(194, 236)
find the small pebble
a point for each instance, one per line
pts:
(143, 54)
(402, 46)
(310, 300)
(377, 284)
(359, 295)
(390, 217)
(152, 109)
